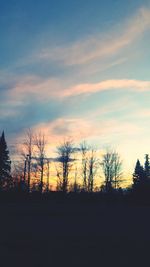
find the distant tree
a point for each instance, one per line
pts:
(27, 153)
(141, 177)
(139, 174)
(92, 169)
(75, 187)
(147, 167)
(112, 169)
(64, 152)
(117, 169)
(5, 164)
(40, 144)
(19, 184)
(84, 148)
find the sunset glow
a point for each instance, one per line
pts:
(77, 69)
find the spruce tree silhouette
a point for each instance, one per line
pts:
(5, 163)
(139, 174)
(141, 179)
(147, 167)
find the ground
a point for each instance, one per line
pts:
(50, 233)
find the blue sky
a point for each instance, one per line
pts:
(77, 68)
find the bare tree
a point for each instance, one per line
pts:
(84, 159)
(92, 168)
(112, 169)
(48, 174)
(40, 146)
(27, 153)
(64, 152)
(75, 187)
(18, 176)
(117, 169)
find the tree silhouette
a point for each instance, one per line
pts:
(84, 151)
(5, 163)
(141, 177)
(40, 143)
(112, 169)
(139, 174)
(147, 167)
(27, 155)
(64, 152)
(18, 174)
(92, 168)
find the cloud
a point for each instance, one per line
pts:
(37, 89)
(58, 129)
(143, 113)
(79, 128)
(90, 88)
(33, 88)
(101, 45)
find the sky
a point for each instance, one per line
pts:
(77, 68)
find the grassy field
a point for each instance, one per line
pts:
(73, 234)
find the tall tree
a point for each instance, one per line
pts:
(40, 143)
(147, 166)
(84, 161)
(139, 174)
(27, 153)
(5, 163)
(112, 169)
(117, 169)
(64, 152)
(141, 177)
(92, 168)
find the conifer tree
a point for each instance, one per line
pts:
(139, 174)
(5, 163)
(147, 167)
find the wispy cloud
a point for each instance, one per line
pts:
(43, 90)
(143, 113)
(33, 88)
(107, 85)
(79, 128)
(100, 45)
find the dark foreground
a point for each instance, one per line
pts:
(61, 233)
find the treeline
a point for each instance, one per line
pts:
(141, 177)
(77, 168)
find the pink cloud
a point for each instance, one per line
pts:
(107, 85)
(33, 87)
(44, 90)
(144, 113)
(82, 128)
